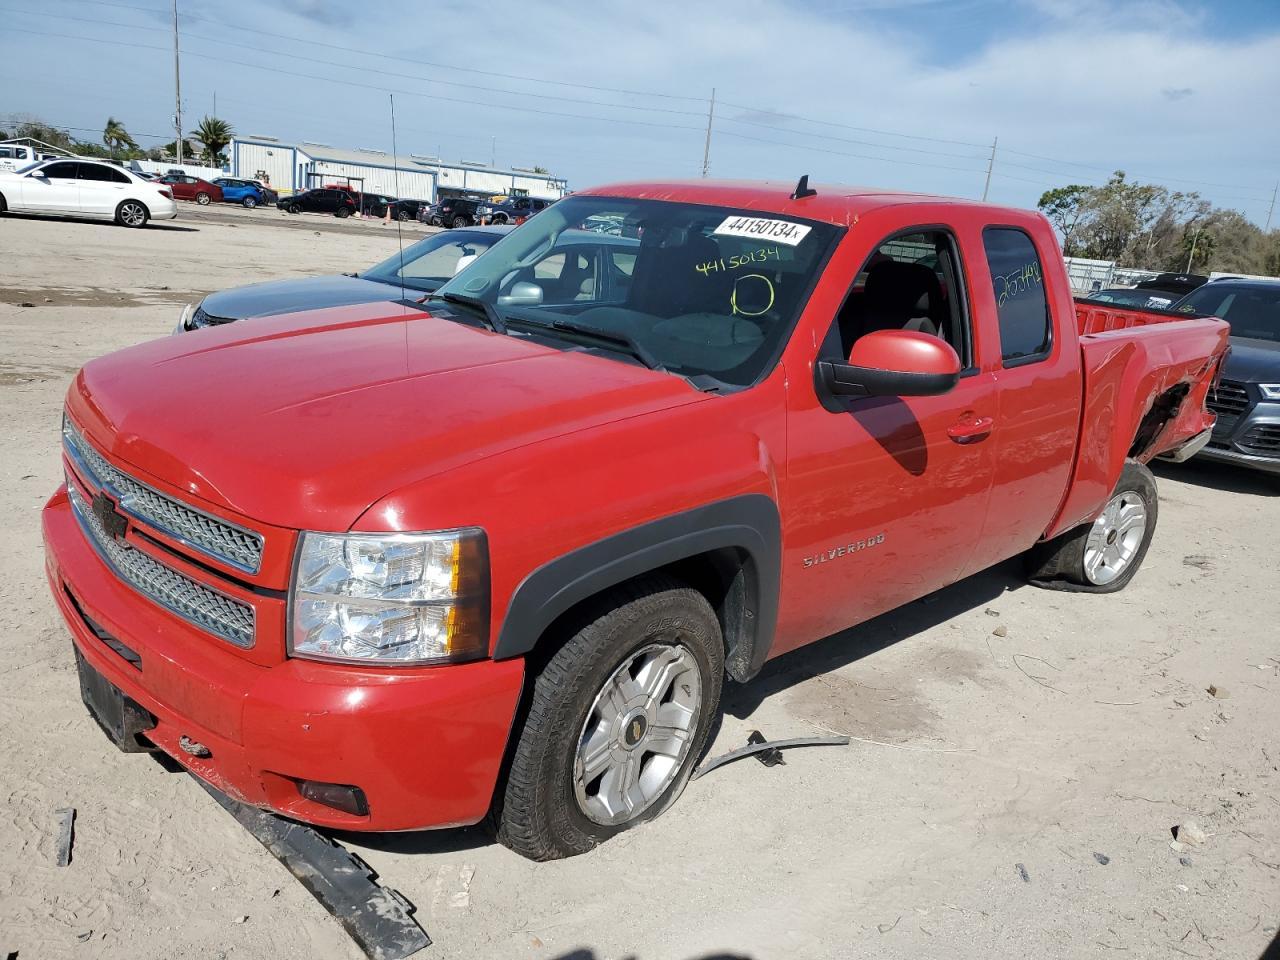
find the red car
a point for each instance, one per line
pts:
(187, 187)
(400, 566)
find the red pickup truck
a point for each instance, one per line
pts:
(400, 566)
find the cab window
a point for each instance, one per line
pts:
(911, 282)
(1026, 332)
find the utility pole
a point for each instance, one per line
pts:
(1272, 210)
(1194, 240)
(706, 147)
(990, 166)
(177, 87)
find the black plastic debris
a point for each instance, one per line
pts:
(379, 919)
(1022, 872)
(756, 744)
(1102, 858)
(66, 833)
(770, 757)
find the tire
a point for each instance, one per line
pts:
(249, 202)
(293, 208)
(403, 216)
(498, 219)
(342, 213)
(460, 221)
(203, 198)
(1102, 556)
(132, 213)
(550, 807)
(4, 205)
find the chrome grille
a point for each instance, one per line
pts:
(223, 616)
(211, 536)
(1229, 397)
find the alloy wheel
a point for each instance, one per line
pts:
(1115, 538)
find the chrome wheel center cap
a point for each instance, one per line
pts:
(633, 733)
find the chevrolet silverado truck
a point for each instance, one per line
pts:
(387, 567)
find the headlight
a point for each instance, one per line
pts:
(1271, 391)
(184, 323)
(397, 598)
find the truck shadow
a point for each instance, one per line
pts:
(1219, 476)
(849, 646)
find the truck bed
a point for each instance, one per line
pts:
(1146, 374)
(1095, 316)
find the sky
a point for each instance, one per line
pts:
(908, 94)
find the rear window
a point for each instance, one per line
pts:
(1253, 312)
(1018, 284)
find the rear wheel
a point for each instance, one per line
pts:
(618, 717)
(403, 216)
(4, 206)
(132, 213)
(1103, 556)
(342, 213)
(460, 221)
(203, 199)
(250, 202)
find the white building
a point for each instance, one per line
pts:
(292, 167)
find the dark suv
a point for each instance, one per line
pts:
(512, 210)
(451, 212)
(1247, 400)
(341, 203)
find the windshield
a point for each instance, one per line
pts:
(702, 290)
(1253, 312)
(430, 262)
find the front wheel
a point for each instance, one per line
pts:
(203, 199)
(293, 208)
(342, 213)
(403, 216)
(1102, 556)
(132, 213)
(618, 717)
(250, 202)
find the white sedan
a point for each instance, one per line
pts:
(85, 188)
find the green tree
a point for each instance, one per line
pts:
(39, 130)
(215, 134)
(116, 137)
(1064, 207)
(542, 170)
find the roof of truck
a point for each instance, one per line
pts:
(834, 203)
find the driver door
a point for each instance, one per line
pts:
(887, 495)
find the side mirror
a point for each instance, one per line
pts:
(522, 294)
(464, 261)
(892, 363)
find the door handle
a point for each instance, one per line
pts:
(970, 429)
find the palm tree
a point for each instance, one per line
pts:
(116, 137)
(214, 134)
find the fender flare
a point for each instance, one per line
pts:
(749, 523)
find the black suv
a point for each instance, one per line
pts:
(1247, 398)
(341, 203)
(451, 212)
(512, 210)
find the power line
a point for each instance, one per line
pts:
(365, 86)
(861, 143)
(831, 123)
(414, 60)
(841, 153)
(386, 73)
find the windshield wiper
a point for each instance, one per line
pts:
(492, 318)
(609, 339)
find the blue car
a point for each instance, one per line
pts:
(250, 193)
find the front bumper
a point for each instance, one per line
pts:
(425, 745)
(1249, 435)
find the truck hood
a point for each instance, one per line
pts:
(306, 420)
(1253, 361)
(290, 296)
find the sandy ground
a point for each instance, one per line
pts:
(1009, 792)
